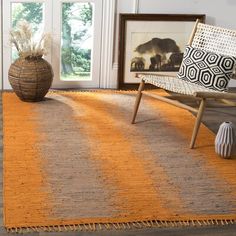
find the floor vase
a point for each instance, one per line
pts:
(30, 78)
(225, 140)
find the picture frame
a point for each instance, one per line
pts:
(152, 43)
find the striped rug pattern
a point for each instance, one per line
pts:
(74, 162)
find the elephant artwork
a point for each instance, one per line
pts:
(157, 55)
(137, 63)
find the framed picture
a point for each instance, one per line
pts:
(152, 43)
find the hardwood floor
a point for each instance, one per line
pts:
(213, 117)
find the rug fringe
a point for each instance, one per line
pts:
(122, 225)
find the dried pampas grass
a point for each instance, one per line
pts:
(27, 43)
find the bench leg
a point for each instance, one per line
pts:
(198, 122)
(138, 99)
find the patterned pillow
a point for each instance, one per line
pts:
(207, 69)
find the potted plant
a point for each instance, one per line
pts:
(30, 75)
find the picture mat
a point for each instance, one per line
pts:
(144, 31)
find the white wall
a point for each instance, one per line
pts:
(218, 12)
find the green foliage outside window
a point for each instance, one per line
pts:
(76, 25)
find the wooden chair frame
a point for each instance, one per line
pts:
(202, 96)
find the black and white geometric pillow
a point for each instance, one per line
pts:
(207, 69)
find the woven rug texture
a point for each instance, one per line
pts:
(75, 162)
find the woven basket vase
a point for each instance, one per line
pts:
(30, 78)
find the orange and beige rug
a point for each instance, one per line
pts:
(74, 162)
